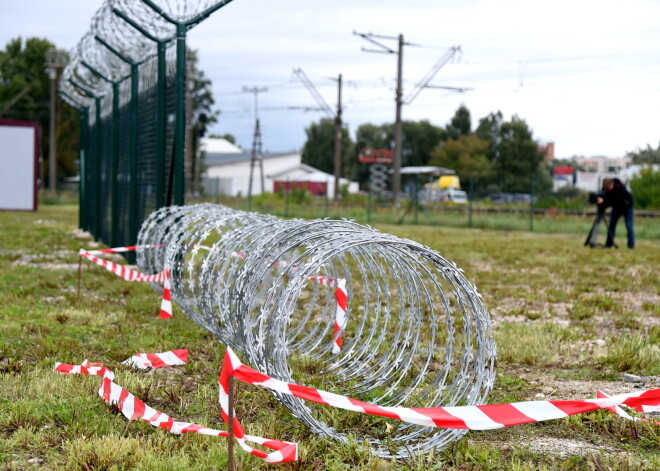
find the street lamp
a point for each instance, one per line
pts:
(55, 59)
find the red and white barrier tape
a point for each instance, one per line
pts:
(133, 409)
(484, 417)
(341, 296)
(122, 271)
(130, 274)
(166, 301)
(142, 361)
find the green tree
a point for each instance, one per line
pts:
(648, 155)
(468, 156)
(646, 188)
(203, 115)
(369, 136)
(514, 154)
(419, 139)
(460, 124)
(319, 148)
(25, 96)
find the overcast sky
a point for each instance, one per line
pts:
(584, 74)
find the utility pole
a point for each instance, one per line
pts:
(424, 83)
(398, 134)
(323, 106)
(338, 132)
(398, 125)
(55, 59)
(256, 142)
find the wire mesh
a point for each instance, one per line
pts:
(417, 333)
(125, 36)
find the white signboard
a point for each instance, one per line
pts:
(19, 159)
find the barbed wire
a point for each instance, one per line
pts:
(125, 33)
(417, 333)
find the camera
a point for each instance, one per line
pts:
(593, 197)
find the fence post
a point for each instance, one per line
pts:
(369, 207)
(286, 197)
(416, 199)
(82, 169)
(531, 203)
(161, 126)
(93, 137)
(327, 200)
(97, 168)
(471, 200)
(180, 113)
(161, 122)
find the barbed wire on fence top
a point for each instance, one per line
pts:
(417, 333)
(131, 29)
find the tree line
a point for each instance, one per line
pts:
(25, 96)
(499, 155)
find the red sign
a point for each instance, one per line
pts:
(376, 156)
(564, 170)
(315, 188)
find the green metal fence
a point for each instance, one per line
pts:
(127, 78)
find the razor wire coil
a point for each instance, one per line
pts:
(417, 333)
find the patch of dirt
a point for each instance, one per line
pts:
(565, 448)
(80, 234)
(566, 389)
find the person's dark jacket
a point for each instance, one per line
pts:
(618, 197)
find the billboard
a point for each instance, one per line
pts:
(376, 156)
(19, 165)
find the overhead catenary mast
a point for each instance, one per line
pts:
(323, 106)
(398, 131)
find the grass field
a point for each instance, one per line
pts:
(568, 322)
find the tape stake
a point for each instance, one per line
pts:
(130, 274)
(134, 408)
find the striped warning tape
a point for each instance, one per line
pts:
(134, 408)
(341, 296)
(142, 361)
(484, 417)
(130, 274)
(122, 271)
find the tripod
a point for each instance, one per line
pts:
(593, 233)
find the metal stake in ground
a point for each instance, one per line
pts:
(79, 275)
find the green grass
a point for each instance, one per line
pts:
(551, 299)
(513, 218)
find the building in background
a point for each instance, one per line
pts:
(548, 149)
(602, 164)
(587, 173)
(228, 172)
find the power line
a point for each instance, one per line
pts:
(398, 132)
